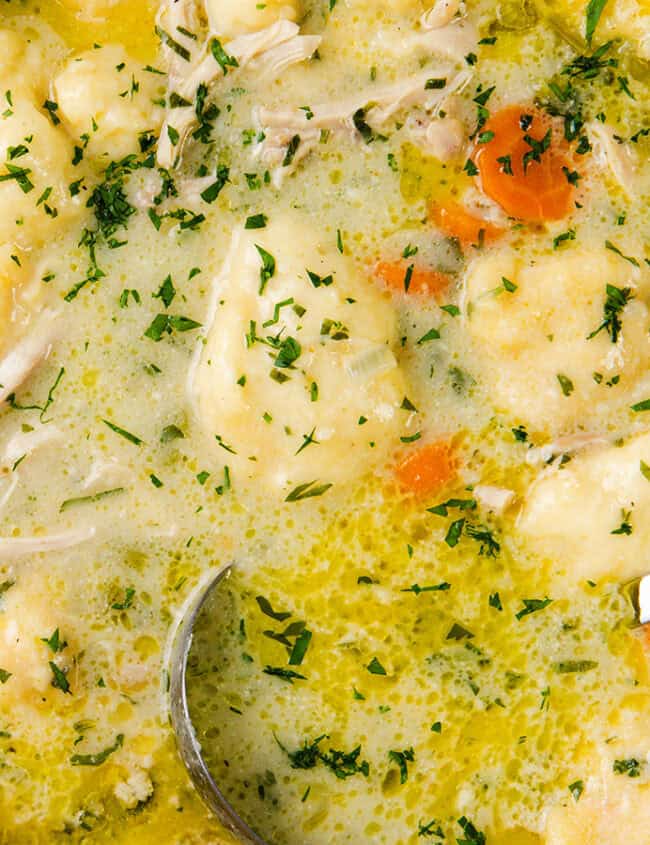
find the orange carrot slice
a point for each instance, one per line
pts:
(456, 222)
(421, 280)
(430, 468)
(528, 189)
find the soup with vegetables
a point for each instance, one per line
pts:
(353, 295)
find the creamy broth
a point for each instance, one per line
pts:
(270, 298)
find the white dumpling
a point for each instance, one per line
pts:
(569, 514)
(525, 338)
(230, 19)
(35, 205)
(105, 95)
(26, 618)
(22, 66)
(344, 388)
(611, 804)
(606, 817)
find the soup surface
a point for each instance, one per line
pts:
(353, 294)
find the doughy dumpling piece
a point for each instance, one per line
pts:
(17, 300)
(607, 817)
(21, 66)
(26, 615)
(90, 88)
(41, 153)
(569, 514)
(529, 336)
(230, 19)
(323, 362)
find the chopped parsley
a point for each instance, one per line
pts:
(267, 270)
(265, 606)
(435, 588)
(99, 758)
(59, 679)
(375, 667)
(222, 58)
(625, 527)
(285, 674)
(569, 667)
(222, 177)
(594, 11)
(532, 606)
(566, 384)
(127, 602)
(472, 836)
(630, 767)
(402, 759)
(615, 302)
(307, 491)
(132, 438)
(168, 323)
(343, 764)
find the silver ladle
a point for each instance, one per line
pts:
(188, 744)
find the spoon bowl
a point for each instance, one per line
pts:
(188, 744)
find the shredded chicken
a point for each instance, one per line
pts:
(17, 546)
(440, 14)
(137, 789)
(24, 443)
(442, 138)
(9, 488)
(27, 353)
(275, 60)
(272, 50)
(563, 446)
(373, 108)
(616, 157)
(106, 473)
(495, 499)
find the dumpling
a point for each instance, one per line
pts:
(230, 19)
(297, 374)
(105, 95)
(570, 514)
(22, 66)
(28, 325)
(531, 333)
(35, 201)
(26, 618)
(612, 802)
(605, 818)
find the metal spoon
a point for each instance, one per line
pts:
(188, 744)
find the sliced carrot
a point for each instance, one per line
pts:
(456, 222)
(428, 469)
(523, 187)
(422, 281)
